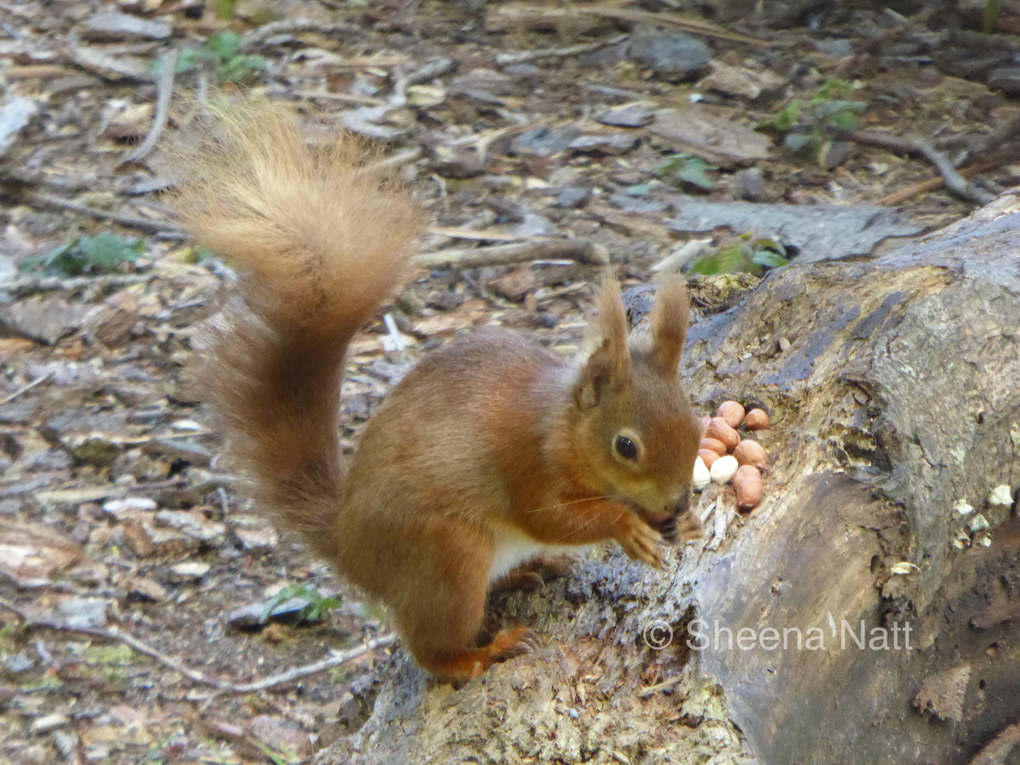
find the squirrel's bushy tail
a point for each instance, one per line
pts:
(318, 238)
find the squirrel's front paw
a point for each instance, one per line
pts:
(641, 542)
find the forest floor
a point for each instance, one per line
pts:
(629, 126)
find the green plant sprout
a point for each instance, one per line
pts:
(222, 52)
(746, 254)
(809, 125)
(678, 169)
(318, 608)
(104, 253)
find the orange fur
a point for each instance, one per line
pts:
(489, 451)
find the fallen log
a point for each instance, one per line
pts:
(894, 391)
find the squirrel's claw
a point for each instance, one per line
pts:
(641, 542)
(514, 642)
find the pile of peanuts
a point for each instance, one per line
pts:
(724, 456)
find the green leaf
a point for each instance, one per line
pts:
(766, 243)
(187, 59)
(103, 253)
(685, 168)
(785, 118)
(844, 121)
(242, 67)
(107, 252)
(226, 44)
(769, 259)
(695, 171)
(322, 608)
(318, 606)
(669, 164)
(799, 141)
(641, 190)
(730, 260)
(834, 88)
(46, 261)
(831, 108)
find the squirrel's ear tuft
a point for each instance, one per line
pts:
(669, 325)
(609, 365)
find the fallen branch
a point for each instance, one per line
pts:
(955, 182)
(165, 91)
(31, 285)
(265, 32)
(396, 160)
(933, 184)
(166, 230)
(573, 50)
(693, 26)
(914, 145)
(966, 38)
(337, 658)
(579, 250)
(26, 388)
(515, 16)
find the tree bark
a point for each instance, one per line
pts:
(894, 391)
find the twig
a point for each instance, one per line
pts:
(468, 233)
(337, 658)
(514, 16)
(1005, 132)
(346, 97)
(693, 26)
(396, 160)
(955, 182)
(573, 50)
(579, 250)
(933, 184)
(168, 230)
(36, 71)
(984, 42)
(292, 27)
(26, 388)
(972, 144)
(952, 178)
(436, 67)
(31, 285)
(885, 141)
(166, 89)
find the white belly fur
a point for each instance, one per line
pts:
(512, 547)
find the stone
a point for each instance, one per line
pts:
(605, 143)
(739, 82)
(516, 285)
(15, 113)
(194, 524)
(257, 539)
(113, 25)
(82, 612)
(573, 197)
(675, 56)
(628, 115)
(1006, 79)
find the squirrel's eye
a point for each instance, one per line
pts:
(626, 448)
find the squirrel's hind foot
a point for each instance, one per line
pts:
(460, 668)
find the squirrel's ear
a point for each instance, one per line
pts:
(609, 365)
(669, 325)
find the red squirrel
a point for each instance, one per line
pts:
(490, 451)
